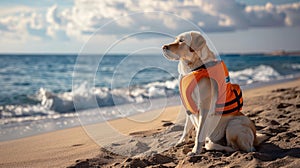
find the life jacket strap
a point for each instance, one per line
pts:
(231, 110)
(207, 65)
(237, 99)
(240, 105)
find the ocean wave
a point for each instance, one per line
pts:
(8, 111)
(262, 73)
(82, 97)
(295, 66)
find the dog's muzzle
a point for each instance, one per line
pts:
(169, 54)
(165, 47)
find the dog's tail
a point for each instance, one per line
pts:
(260, 138)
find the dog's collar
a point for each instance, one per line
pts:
(207, 65)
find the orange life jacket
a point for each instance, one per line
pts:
(229, 100)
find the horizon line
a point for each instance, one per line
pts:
(274, 52)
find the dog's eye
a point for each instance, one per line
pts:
(181, 40)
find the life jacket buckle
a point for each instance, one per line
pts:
(188, 112)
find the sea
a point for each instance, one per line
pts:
(41, 93)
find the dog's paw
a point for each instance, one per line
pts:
(191, 154)
(194, 152)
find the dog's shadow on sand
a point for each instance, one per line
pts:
(271, 152)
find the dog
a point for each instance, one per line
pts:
(212, 114)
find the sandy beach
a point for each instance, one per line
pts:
(275, 109)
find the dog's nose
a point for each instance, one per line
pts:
(165, 47)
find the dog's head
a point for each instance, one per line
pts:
(190, 49)
(186, 47)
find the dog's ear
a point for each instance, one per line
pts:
(197, 42)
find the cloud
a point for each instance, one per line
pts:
(210, 15)
(86, 16)
(55, 28)
(263, 16)
(292, 12)
(21, 24)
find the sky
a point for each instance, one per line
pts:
(142, 26)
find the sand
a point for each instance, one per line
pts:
(275, 110)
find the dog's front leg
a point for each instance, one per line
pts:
(200, 137)
(187, 127)
(206, 106)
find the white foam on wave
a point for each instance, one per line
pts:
(18, 111)
(57, 102)
(262, 73)
(295, 66)
(87, 98)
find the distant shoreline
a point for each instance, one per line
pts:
(273, 53)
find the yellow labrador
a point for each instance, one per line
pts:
(192, 52)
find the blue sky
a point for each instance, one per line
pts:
(66, 26)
